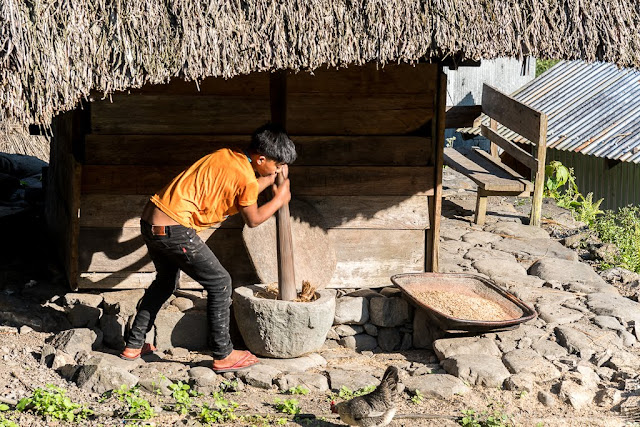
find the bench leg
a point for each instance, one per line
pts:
(481, 208)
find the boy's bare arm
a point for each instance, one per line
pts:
(254, 215)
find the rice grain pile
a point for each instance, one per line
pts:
(464, 306)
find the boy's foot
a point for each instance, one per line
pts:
(134, 353)
(236, 361)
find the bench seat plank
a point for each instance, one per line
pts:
(485, 172)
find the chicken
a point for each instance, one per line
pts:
(374, 409)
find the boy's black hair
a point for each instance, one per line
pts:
(272, 141)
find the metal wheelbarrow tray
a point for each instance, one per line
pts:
(468, 286)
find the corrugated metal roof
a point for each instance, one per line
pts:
(592, 108)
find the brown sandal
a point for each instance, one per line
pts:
(134, 353)
(245, 362)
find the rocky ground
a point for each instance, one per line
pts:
(574, 365)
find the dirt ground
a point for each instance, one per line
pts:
(28, 278)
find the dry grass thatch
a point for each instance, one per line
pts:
(53, 53)
(16, 140)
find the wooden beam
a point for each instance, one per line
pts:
(518, 153)
(513, 114)
(306, 180)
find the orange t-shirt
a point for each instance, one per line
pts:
(208, 191)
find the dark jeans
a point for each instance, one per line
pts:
(182, 249)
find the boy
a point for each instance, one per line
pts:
(216, 186)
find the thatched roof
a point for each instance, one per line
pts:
(54, 53)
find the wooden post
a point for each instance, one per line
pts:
(538, 178)
(284, 243)
(437, 155)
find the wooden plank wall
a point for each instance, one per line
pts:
(364, 138)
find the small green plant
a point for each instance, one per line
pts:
(137, 407)
(51, 402)
(288, 406)
(7, 423)
(622, 228)
(346, 393)
(282, 421)
(417, 397)
(492, 417)
(227, 386)
(182, 393)
(298, 390)
(523, 394)
(221, 411)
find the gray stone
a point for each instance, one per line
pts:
(25, 329)
(122, 302)
(477, 369)
(587, 376)
(296, 365)
(441, 386)
(348, 330)
(332, 335)
(480, 237)
(113, 327)
(476, 254)
(364, 293)
(182, 303)
(99, 379)
(177, 329)
(47, 354)
(351, 379)
(500, 269)
(259, 375)
(575, 240)
(84, 316)
(521, 382)
(607, 304)
(608, 322)
(360, 342)
(539, 295)
(575, 341)
(61, 359)
(389, 339)
(622, 360)
(452, 233)
(90, 300)
(555, 313)
(153, 380)
(73, 341)
(454, 247)
(608, 397)
(517, 230)
(424, 332)
(550, 350)
(388, 312)
(202, 376)
(173, 371)
(534, 249)
(546, 398)
(351, 310)
(589, 287)
(283, 329)
(528, 361)
(628, 339)
(449, 347)
(312, 382)
(565, 271)
(371, 329)
(391, 292)
(178, 352)
(577, 395)
(105, 359)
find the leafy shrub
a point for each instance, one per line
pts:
(288, 406)
(51, 402)
(622, 228)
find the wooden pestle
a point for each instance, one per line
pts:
(286, 273)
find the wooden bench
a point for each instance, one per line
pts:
(491, 175)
